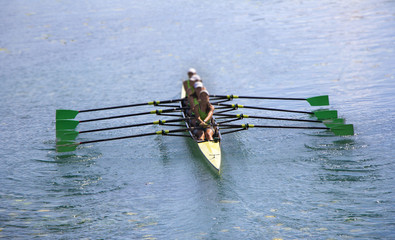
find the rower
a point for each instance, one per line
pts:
(188, 84)
(191, 72)
(204, 112)
(198, 86)
(193, 100)
(191, 94)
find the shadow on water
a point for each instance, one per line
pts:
(163, 149)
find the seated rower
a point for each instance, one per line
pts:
(204, 112)
(188, 84)
(191, 72)
(191, 94)
(193, 100)
(198, 86)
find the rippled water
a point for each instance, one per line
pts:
(275, 183)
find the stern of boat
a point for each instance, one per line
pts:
(212, 152)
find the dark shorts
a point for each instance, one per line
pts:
(196, 130)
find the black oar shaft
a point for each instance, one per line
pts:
(131, 105)
(268, 126)
(236, 106)
(163, 132)
(109, 108)
(252, 97)
(279, 110)
(268, 118)
(113, 128)
(131, 115)
(159, 122)
(291, 127)
(272, 98)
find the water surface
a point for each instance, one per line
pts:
(275, 183)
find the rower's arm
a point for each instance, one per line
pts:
(210, 114)
(196, 111)
(191, 104)
(184, 83)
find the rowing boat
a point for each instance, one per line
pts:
(211, 150)
(66, 125)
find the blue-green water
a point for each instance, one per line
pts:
(275, 183)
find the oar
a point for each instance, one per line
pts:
(62, 124)
(327, 122)
(313, 101)
(68, 146)
(337, 129)
(71, 114)
(320, 114)
(72, 134)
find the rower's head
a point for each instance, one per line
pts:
(195, 78)
(191, 72)
(204, 96)
(198, 85)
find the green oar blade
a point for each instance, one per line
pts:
(343, 129)
(66, 114)
(325, 114)
(319, 100)
(62, 135)
(64, 124)
(66, 146)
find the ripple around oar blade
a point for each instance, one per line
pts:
(66, 135)
(66, 146)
